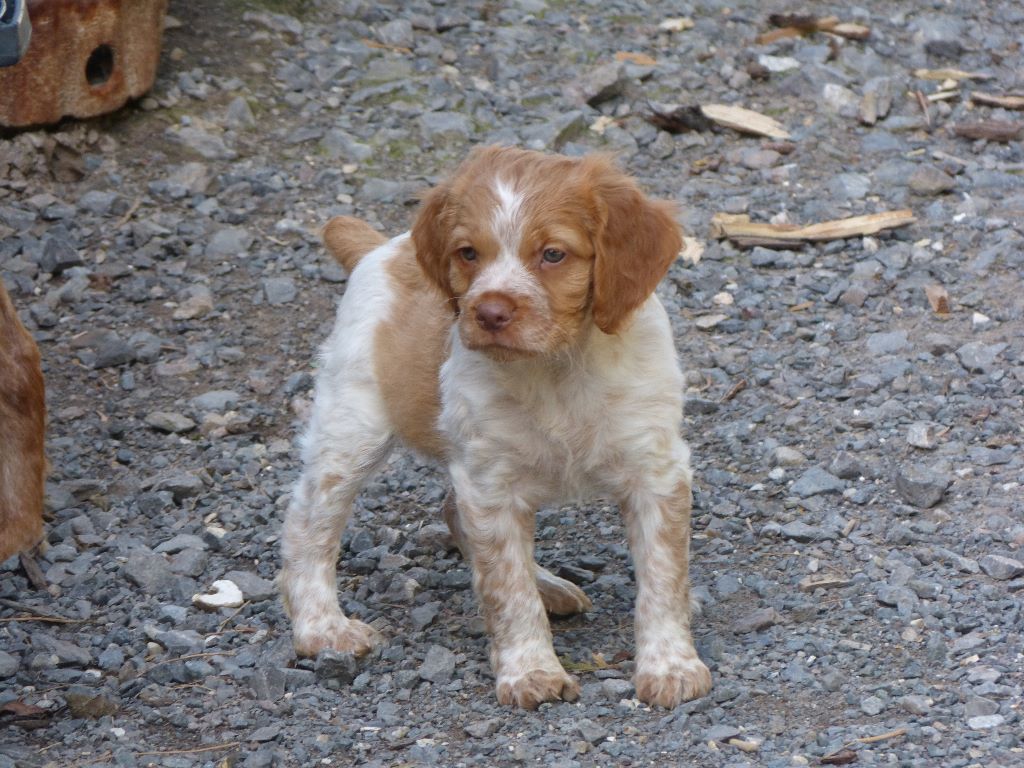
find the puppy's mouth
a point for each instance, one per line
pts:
(501, 346)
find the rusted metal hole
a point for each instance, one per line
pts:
(100, 65)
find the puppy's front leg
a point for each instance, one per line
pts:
(500, 543)
(667, 667)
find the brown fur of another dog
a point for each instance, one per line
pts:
(22, 428)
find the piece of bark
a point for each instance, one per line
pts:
(641, 59)
(842, 757)
(794, 24)
(938, 297)
(1004, 100)
(679, 120)
(745, 233)
(990, 130)
(744, 120)
(950, 74)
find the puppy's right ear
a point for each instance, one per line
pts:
(431, 237)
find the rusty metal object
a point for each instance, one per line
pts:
(87, 57)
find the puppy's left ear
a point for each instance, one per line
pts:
(638, 239)
(430, 236)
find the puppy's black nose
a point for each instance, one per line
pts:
(494, 314)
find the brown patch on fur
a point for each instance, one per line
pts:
(410, 348)
(638, 241)
(22, 432)
(348, 239)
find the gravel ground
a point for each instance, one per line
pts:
(859, 522)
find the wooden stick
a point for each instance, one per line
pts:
(740, 228)
(744, 120)
(1006, 101)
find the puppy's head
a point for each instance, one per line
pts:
(532, 248)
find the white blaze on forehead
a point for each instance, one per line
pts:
(507, 273)
(507, 220)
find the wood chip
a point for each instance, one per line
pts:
(1006, 100)
(938, 297)
(950, 74)
(746, 233)
(823, 581)
(796, 24)
(990, 130)
(842, 757)
(744, 120)
(635, 58)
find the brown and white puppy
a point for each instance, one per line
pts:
(22, 427)
(515, 337)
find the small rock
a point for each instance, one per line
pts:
(279, 290)
(920, 487)
(755, 621)
(921, 435)
(224, 594)
(601, 84)
(169, 421)
(266, 733)
(887, 342)
(483, 728)
(1001, 568)
(230, 241)
(198, 304)
(721, 733)
(801, 531)
(915, 704)
(778, 63)
(976, 356)
(872, 705)
(239, 114)
(816, 481)
(9, 664)
(254, 588)
(216, 400)
(397, 33)
(335, 665)
(784, 456)
(438, 666)
(840, 100)
(617, 689)
(929, 180)
(87, 702)
(149, 571)
(592, 732)
(984, 722)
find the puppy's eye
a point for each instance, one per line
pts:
(467, 253)
(553, 255)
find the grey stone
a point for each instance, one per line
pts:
(230, 241)
(112, 351)
(438, 665)
(784, 456)
(798, 530)
(591, 732)
(216, 400)
(840, 100)
(976, 356)
(111, 658)
(149, 571)
(59, 255)
(203, 143)
(397, 32)
(919, 486)
(979, 706)
(481, 729)
(422, 616)
(97, 202)
(9, 664)
(280, 290)
(181, 485)
(985, 722)
(340, 144)
(915, 704)
(1001, 568)
(872, 705)
(721, 733)
(239, 114)
(170, 421)
(335, 665)
(756, 620)
(266, 733)
(887, 342)
(600, 84)
(921, 435)
(616, 689)
(929, 180)
(83, 701)
(439, 126)
(816, 481)
(254, 588)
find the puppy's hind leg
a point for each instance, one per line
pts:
(560, 597)
(343, 447)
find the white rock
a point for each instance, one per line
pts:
(225, 594)
(778, 63)
(983, 722)
(921, 435)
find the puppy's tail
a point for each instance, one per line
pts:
(349, 239)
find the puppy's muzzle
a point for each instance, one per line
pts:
(494, 312)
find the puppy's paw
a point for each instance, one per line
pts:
(534, 688)
(336, 633)
(561, 597)
(679, 681)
